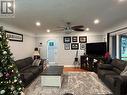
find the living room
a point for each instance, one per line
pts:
(47, 25)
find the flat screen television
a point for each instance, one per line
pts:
(96, 48)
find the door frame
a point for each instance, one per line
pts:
(52, 40)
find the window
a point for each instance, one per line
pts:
(123, 47)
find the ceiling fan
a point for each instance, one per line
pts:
(68, 28)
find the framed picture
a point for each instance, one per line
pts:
(14, 36)
(82, 39)
(67, 39)
(82, 46)
(74, 39)
(74, 46)
(67, 46)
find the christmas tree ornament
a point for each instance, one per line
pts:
(14, 92)
(20, 81)
(0, 38)
(1, 74)
(16, 71)
(9, 81)
(4, 52)
(15, 80)
(7, 40)
(18, 75)
(11, 66)
(19, 89)
(2, 91)
(7, 74)
(12, 88)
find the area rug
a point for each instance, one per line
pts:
(77, 83)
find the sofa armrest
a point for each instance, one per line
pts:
(105, 66)
(121, 85)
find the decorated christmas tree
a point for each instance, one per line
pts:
(10, 83)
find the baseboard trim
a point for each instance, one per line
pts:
(70, 66)
(61, 65)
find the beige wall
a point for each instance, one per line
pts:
(65, 57)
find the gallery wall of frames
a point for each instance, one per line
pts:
(75, 42)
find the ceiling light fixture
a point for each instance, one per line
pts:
(96, 21)
(38, 24)
(87, 29)
(48, 30)
(121, 0)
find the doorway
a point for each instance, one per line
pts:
(51, 52)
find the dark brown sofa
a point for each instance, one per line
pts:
(110, 75)
(27, 71)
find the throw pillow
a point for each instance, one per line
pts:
(36, 62)
(124, 72)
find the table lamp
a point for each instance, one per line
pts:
(36, 54)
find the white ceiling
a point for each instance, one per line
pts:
(54, 13)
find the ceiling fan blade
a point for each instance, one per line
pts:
(78, 26)
(77, 29)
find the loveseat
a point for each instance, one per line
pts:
(27, 71)
(110, 75)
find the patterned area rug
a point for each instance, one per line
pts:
(77, 83)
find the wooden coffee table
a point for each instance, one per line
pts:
(52, 76)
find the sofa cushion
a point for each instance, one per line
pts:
(36, 62)
(105, 66)
(106, 72)
(29, 60)
(23, 63)
(120, 64)
(32, 69)
(20, 64)
(27, 67)
(117, 70)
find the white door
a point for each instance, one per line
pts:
(51, 51)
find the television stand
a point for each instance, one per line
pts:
(89, 62)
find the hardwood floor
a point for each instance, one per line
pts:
(72, 69)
